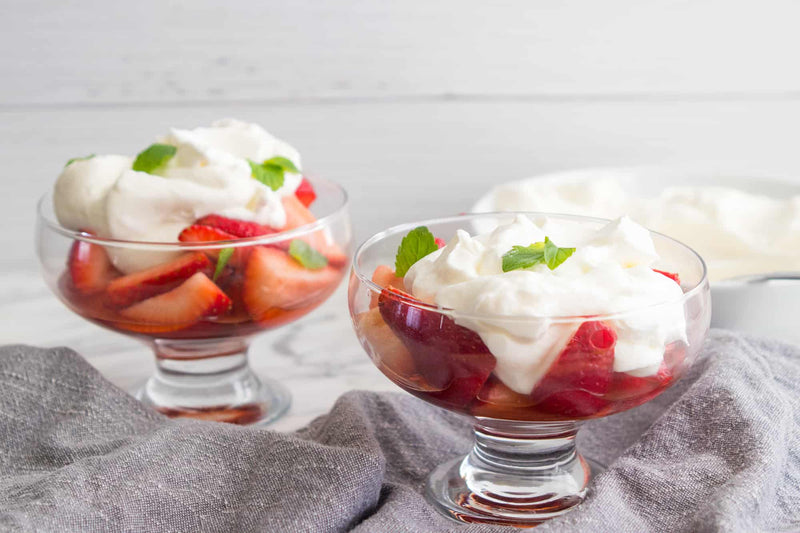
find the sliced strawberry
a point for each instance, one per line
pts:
(305, 192)
(637, 390)
(90, 268)
(385, 277)
(389, 353)
(581, 375)
(138, 286)
(297, 214)
(200, 233)
(448, 356)
(671, 275)
(196, 298)
(273, 280)
(440, 242)
(496, 392)
(235, 227)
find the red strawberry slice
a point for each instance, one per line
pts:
(448, 356)
(274, 280)
(297, 214)
(200, 233)
(305, 192)
(388, 352)
(671, 275)
(235, 227)
(577, 379)
(89, 267)
(440, 242)
(637, 390)
(384, 277)
(196, 298)
(141, 285)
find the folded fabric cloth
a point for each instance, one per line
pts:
(717, 452)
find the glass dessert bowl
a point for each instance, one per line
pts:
(528, 340)
(238, 255)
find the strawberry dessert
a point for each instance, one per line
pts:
(231, 183)
(528, 322)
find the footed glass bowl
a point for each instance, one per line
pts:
(197, 316)
(524, 467)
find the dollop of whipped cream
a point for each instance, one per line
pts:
(209, 174)
(610, 272)
(737, 233)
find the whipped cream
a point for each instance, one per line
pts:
(209, 174)
(737, 233)
(610, 272)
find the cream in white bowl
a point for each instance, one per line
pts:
(741, 226)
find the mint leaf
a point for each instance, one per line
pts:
(153, 157)
(553, 255)
(538, 253)
(282, 162)
(224, 256)
(269, 175)
(523, 257)
(78, 159)
(307, 256)
(417, 244)
(272, 171)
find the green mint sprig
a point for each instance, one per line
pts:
(224, 256)
(306, 255)
(546, 252)
(417, 244)
(272, 171)
(154, 157)
(79, 159)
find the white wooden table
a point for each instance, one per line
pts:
(416, 107)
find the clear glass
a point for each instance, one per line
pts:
(201, 349)
(524, 467)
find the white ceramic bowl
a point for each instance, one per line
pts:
(762, 306)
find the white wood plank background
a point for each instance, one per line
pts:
(205, 50)
(417, 107)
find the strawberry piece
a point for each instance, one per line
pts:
(637, 390)
(305, 192)
(671, 275)
(141, 285)
(497, 393)
(200, 233)
(273, 280)
(440, 242)
(385, 277)
(581, 375)
(194, 299)
(388, 351)
(235, 227)
(89, 267)
(448, 356)
(297, 214)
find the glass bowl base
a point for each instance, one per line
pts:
(233, 395)
(511, 481)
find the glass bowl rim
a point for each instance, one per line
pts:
(322, 222)
(701, 285)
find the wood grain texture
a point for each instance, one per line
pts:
(402, 161)
(416, 107)
(204, 50)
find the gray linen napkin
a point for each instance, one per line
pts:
(718, 452)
